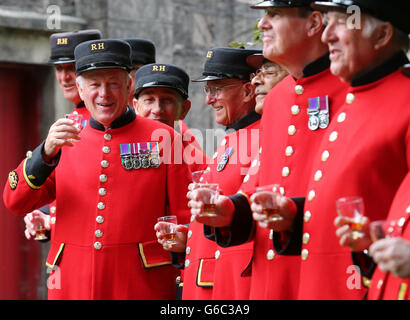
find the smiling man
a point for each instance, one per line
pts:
(62, 58)
(370, 59)
(104, 245)
(268, 74)
(212, 272)
(162, 94)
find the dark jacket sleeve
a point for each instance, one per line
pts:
(178, 258)
(242, 226)
(292, 244)
(36, 170)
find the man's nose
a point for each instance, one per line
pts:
(210, 98)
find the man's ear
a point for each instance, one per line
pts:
(80, 89)
(383, 35)
(249, 92)
(129, 84)
(135, 104)
(315, 24)
(186, 106)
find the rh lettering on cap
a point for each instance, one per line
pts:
(62, 41)
(158, 68)
(209, 54)
(97, 46)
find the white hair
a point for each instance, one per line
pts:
(80, 81)
(400, 38)
(370, 24)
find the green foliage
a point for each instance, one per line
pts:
(257, 38)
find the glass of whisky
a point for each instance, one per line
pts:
(168, 229)
(269, 198)
(377, 230)
(208, 197)
(200, 177)
(78, 121)
(352, 208)
(39, 227)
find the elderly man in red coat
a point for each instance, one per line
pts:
(62, 58)
(366, 150)
(104, 245)
(382, 42)
(292, 132)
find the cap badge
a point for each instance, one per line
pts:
(209, 54)
(62, 41)
(97, 46)
(158, 68)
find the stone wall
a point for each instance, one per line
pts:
(183, 30)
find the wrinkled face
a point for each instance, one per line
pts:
(162, 104)
(105, 93)
(65, 74)
(225, 96)
(264, 80)
(284, 32)
(350, 50)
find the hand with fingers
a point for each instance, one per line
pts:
(33, 221)
(347, 232)
(180, 239)
(273, 210)
(62, 133)
(392, 255)
(223, 207)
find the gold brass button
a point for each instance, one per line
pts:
(295, 110)
(306, 238)
(325, 156)
(289, 151)
(307, 216)
(350, 98)
(333, 136)
(342, 117)
(318, 175)
(299, 89)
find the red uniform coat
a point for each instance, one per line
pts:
(104, 243)
(385, 285)
(288, 149)
(193, 152)
(207, 265)
(79, 109)
(364, 153)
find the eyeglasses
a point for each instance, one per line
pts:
(264, 74)
(215, 91)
